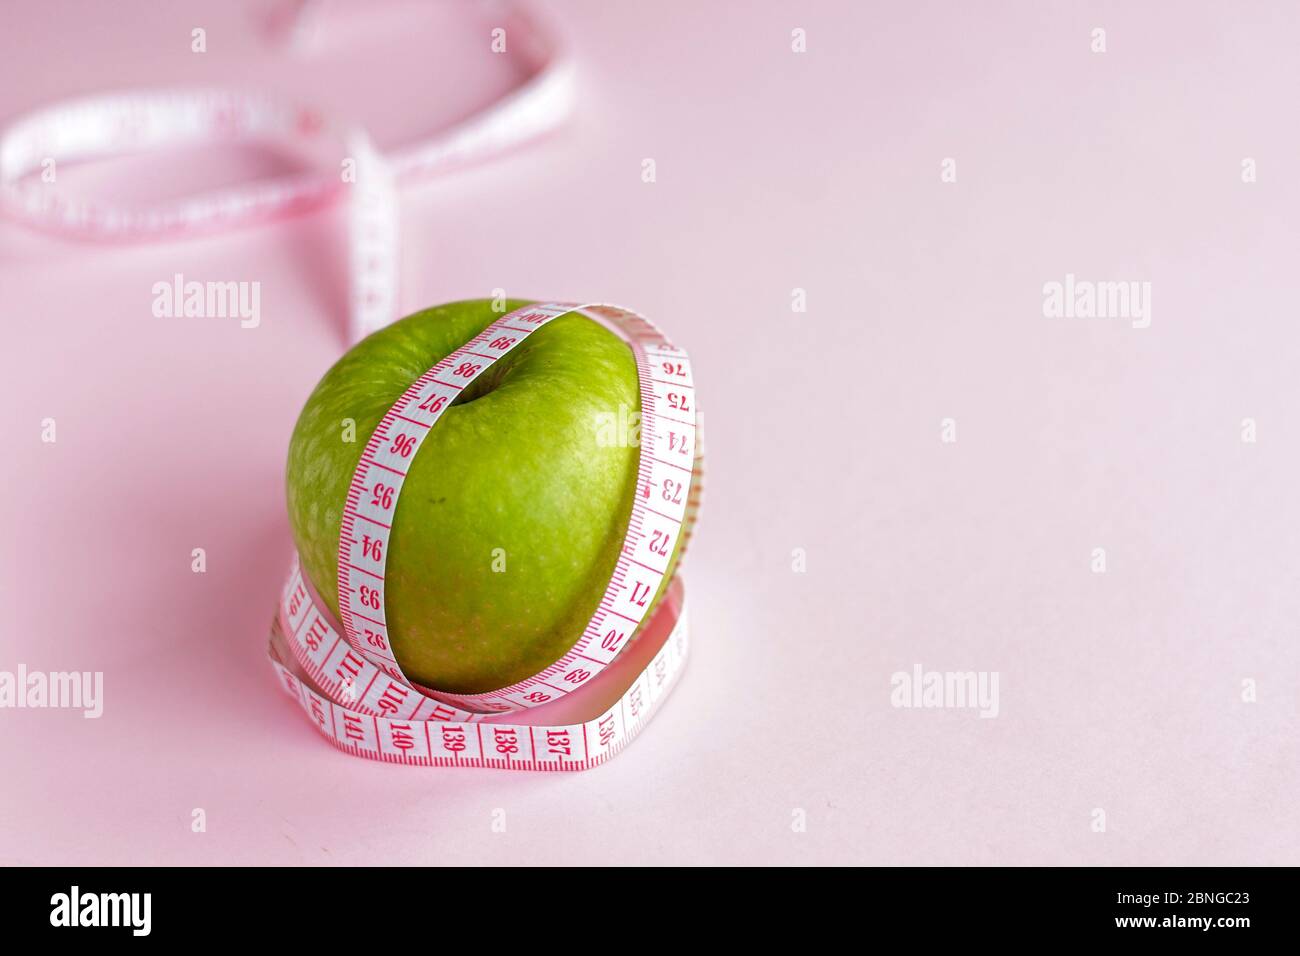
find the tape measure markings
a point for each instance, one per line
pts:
(372, 500)
(392, 736)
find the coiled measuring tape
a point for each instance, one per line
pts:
(344, 674)
(348, 679)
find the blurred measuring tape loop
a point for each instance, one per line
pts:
(345, 160)
(585, 707)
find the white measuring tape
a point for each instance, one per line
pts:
(343, 156)
(349, 680)
(344, 674)
(434, 735)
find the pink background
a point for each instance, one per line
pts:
(1119, 691)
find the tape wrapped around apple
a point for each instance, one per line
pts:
(512, 513)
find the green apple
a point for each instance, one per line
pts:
(513, 511)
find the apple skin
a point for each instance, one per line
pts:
(513, 464)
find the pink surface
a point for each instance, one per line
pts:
(1120, 691)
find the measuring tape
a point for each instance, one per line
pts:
(342, 156)
(344, 673)
(348, 679)
(309, 663)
